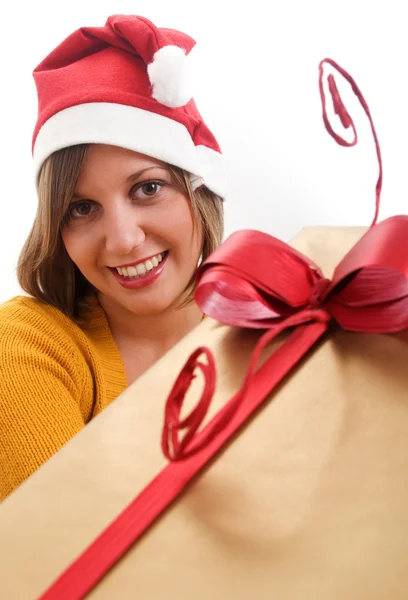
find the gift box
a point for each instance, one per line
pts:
(291, 480)
(308, 501)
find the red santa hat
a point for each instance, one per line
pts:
(125, 84)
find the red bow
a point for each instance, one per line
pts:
(254, 280)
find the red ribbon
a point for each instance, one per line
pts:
(254, 280)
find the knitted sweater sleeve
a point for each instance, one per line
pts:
(40, 391)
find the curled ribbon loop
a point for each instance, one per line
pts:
(174, 448)
(347, 121)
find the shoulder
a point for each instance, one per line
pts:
(26, 320)
(24, 307)
(26, 310)
(27, 305)
(38, 343)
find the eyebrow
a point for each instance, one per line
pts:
(131, 178)
(139, 173)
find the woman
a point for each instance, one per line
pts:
(130, 187)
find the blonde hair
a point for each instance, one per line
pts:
(45, 270)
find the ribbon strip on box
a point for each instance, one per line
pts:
(254, 280)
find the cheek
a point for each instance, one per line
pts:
(77, 248)
(190, 238)
(179, 224)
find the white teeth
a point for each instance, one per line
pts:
(141, 268)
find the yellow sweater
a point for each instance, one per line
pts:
(54, 377)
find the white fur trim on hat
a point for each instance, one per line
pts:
(168, 74)
(133, 128)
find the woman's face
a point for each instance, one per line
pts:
(127, 211)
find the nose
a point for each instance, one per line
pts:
(123, 230)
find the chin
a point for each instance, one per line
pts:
(149, 307)
(145, 302)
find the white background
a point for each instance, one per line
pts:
(256, 83)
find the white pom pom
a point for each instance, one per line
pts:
(168, 74)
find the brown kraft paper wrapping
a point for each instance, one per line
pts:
(309, 501)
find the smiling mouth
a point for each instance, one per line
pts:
(141, 269)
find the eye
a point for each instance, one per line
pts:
(147, 189)
(75, 210)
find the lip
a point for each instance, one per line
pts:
(134, 264)
(143, 280)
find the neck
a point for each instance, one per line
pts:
(162, 331)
